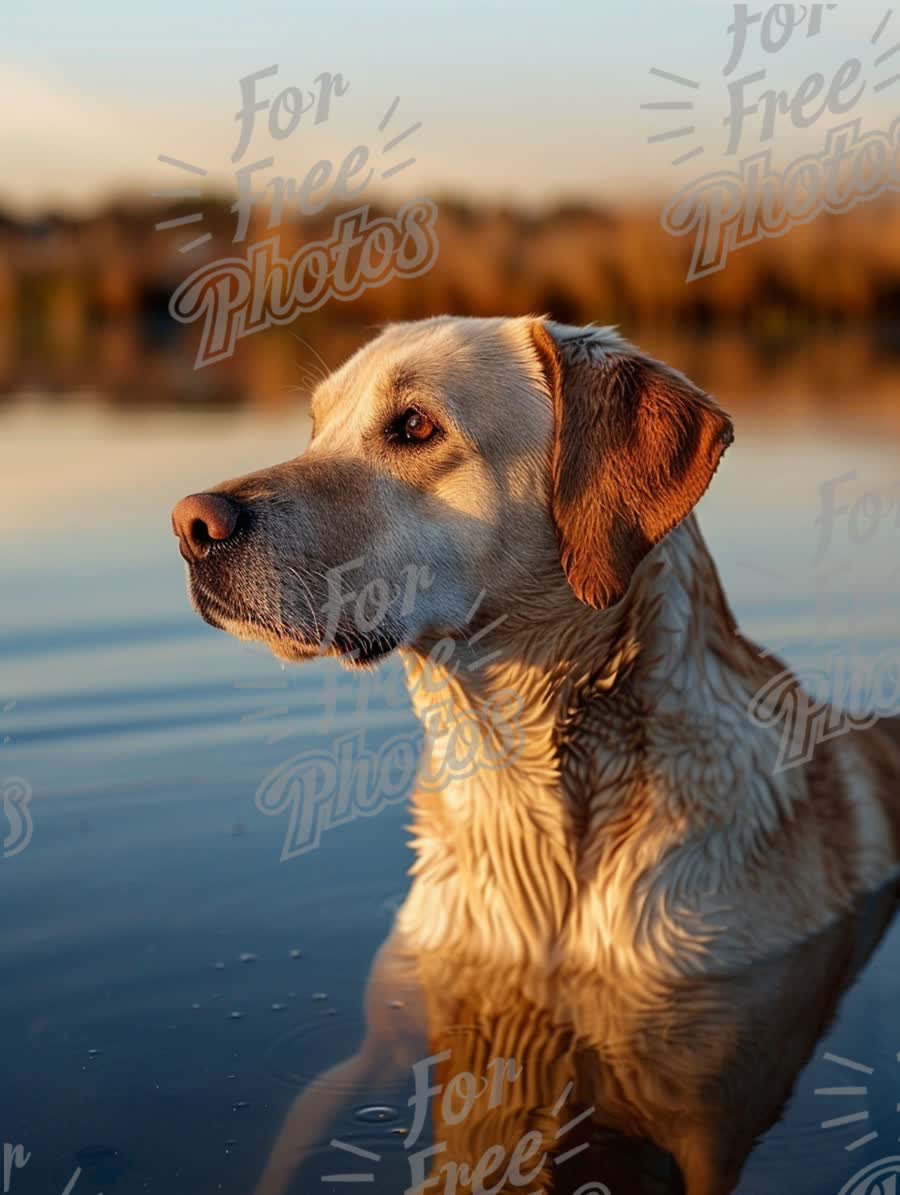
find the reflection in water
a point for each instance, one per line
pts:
(537, 1082)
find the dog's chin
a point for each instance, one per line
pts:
(209, 609)
(357, 655)
(294, 645)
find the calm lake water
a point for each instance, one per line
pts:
(169, 984)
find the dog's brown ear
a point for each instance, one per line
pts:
(635, 446)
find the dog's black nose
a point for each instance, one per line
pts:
(201, 520)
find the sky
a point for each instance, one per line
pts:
(523, 102)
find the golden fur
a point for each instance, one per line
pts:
(638, 828)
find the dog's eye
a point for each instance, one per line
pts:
(412, 427)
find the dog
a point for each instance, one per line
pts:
(631, 819)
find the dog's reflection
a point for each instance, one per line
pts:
(565, 1083)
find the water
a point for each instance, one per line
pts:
(169, 984)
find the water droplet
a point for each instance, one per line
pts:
(277, 1008)
(94, 1053)
(240, 1105)
(195, 1006)
(397, 1004)
(296, 953)
(320, 995)
(219, 966)
(235, 1016)
(376, 1113)
(248, 957)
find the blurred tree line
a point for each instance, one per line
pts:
(84, 301)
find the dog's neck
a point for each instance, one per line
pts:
(539, 744)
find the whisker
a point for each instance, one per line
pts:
(308, 598)
(310, 378)
(315, 353)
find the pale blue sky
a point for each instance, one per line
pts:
(524, 101)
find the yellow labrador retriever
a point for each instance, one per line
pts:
(545, 476)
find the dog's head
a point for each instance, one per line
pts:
(455, 465)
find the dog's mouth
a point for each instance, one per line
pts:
(350, 646)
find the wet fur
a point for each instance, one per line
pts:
(640, 823)
(639, 838)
